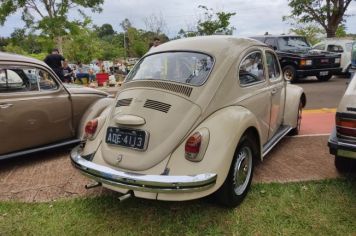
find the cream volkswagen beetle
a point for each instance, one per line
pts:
(191, 119)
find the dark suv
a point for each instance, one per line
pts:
(298, 60)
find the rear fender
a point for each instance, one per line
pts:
(294, 95)
(226, 127)
(92, 112)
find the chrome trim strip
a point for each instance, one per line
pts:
(39, 149)
(275, 139)
(142, 182)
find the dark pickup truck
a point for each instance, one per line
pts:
(298, 60)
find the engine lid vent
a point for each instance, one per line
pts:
(176, 88)
(155, 105)
(124, 102)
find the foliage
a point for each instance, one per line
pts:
(208, 24)
(341, 31)
(213, 24)
(83, 46)
(328, 14)
(312, 32)
(106, 30)
(306, 208)
(50, 17)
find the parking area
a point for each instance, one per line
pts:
(49, 175)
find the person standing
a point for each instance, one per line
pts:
(55, 61)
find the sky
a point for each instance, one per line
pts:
(252, 17)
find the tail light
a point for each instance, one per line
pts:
(346, 126)
(192, 146)
(90, 128)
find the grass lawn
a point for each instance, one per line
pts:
(309, 208)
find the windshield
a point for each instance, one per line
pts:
(182, 67)
(292, 43)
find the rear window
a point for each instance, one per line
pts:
(182, 67)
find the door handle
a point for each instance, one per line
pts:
(5, 105)
(274, 91)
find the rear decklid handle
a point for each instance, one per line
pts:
(129, 120)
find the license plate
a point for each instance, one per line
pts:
(324, 60)
(322, 73)
(131, 138)
(346, 153)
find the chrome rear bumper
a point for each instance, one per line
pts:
(142, 182)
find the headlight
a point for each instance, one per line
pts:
(306, 62)
(337, 60)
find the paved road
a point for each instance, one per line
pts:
(323, 94)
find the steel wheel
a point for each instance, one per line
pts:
(238, 181)
(242, 170)
(289, 73)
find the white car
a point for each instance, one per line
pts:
(342, 141)
(191, 119)
(342, 46)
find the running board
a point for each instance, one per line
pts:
(281, 132)
(39, 149)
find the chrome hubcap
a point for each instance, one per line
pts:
(242, 170)
(288, 75)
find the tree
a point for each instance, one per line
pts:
(155, 23)
(215, 23)
(329, 14)
(48, 16)
(311, 32)
(105, 30)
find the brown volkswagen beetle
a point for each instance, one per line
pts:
(191, 119)
(37, 111)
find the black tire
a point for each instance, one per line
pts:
(324, 78)
(289, 73)
(348, 73)
(236, 186)
(343, 164)
(295, 131)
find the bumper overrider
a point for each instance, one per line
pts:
(141, 182)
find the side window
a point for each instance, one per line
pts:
(251, 69)
(25, 79)
(335, 48)
(273, 67)
(320, 47)
(46, 81)
(271, 43)
(16, 80)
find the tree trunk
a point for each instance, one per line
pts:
(59, 43)
(330, 33)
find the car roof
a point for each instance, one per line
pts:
(338, 40)
(4, 56)
(276, 36)
(213, 45)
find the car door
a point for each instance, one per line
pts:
(337, 48)
(255, 90)
(277, 90)
(35, 109)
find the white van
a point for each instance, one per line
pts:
(342, 46)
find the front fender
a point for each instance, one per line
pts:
(294, 95)
(226, 127)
